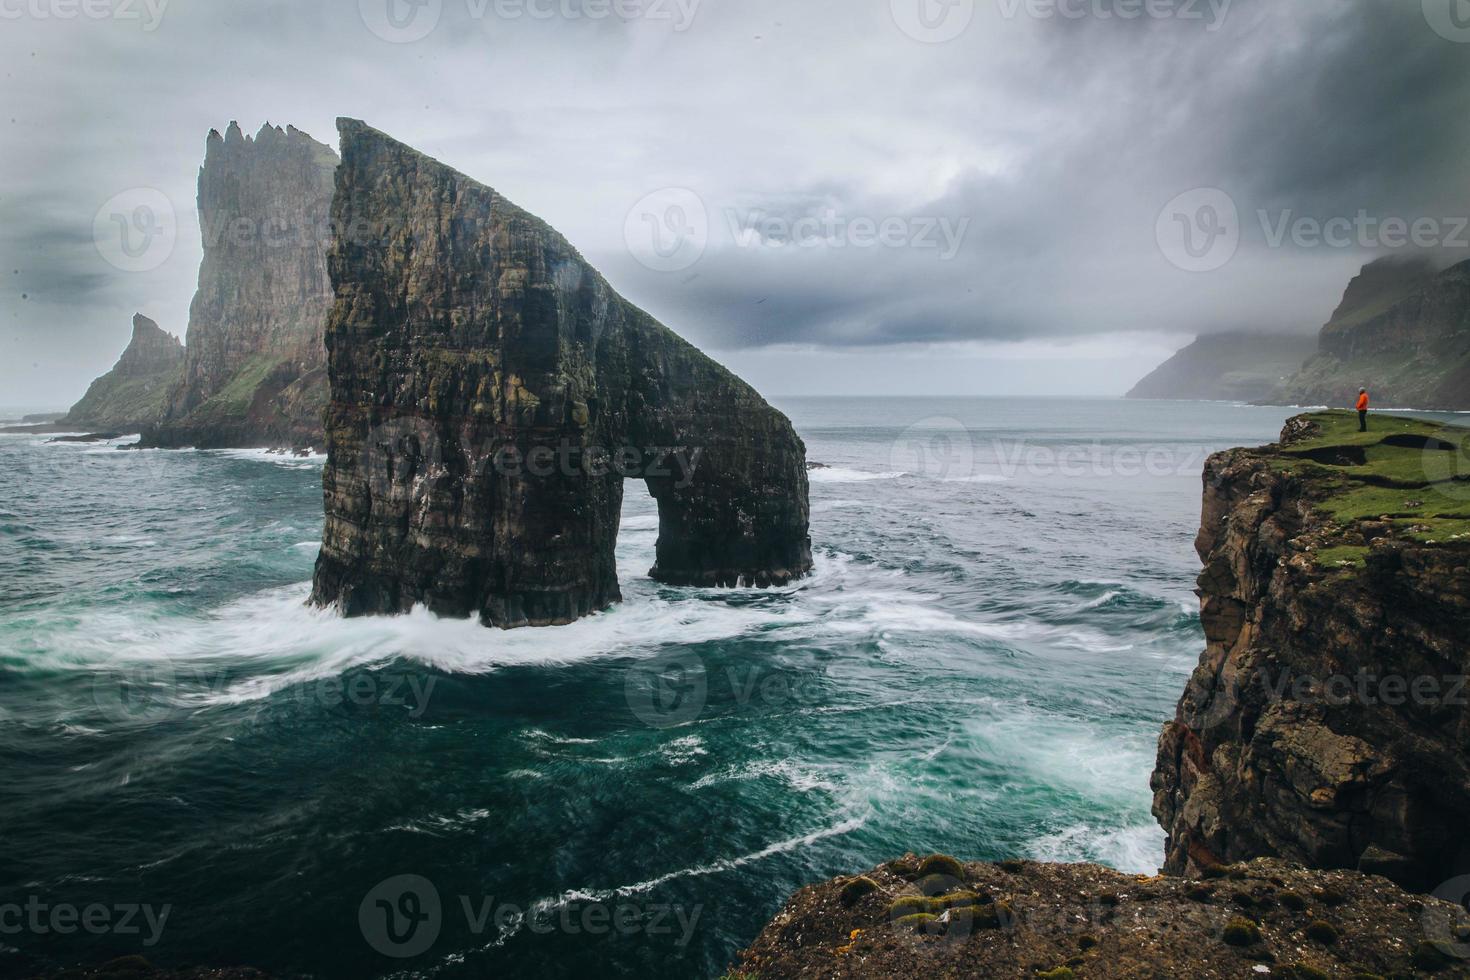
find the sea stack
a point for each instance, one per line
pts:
(132, 394)
(490, 393)
(255, 369)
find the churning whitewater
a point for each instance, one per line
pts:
(1000, 619)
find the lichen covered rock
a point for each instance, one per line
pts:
(1082, 920)
(490, 394)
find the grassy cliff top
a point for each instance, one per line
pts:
(1412, 474)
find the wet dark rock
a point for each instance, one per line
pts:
(89, 437)
(490, 395)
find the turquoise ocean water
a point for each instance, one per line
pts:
(1000, 620)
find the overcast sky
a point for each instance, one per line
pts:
(849, 196)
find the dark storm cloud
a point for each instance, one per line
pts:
(861, 188)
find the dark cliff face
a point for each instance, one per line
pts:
(490, 394)
(1403, 331)
(255, 368)
(1234, 366)
(133, 393)
(1327, 720)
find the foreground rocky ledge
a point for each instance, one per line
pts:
(940, 918)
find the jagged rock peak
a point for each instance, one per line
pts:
(255, 368)
(150, 348)
(147, 333)
(131, 395)
(269, 139)
(468, 338)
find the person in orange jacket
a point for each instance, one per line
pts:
(1362, 409)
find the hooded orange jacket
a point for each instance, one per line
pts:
(1363, 402)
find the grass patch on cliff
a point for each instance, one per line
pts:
(233, 400)
(1346, 556)
(1340, 428)
(1409, 471)
(112, 401)
(1355, 503)
(1437, 530)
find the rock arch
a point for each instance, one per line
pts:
(490, 395)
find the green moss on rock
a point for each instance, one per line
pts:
(1241, 931)
(1323, 932)
(920, 922)
(856, 890)
(942, 864)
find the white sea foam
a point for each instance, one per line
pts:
(714, 867)
(288, 643)
(978, 478)
(438, 825)
(537, 734)
(684, 750)
(1101, 600)
(841, 474)
(1136, 849)
(312, 459)
(799, 776)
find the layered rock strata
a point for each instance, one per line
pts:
(254, 371)
(1327, 721)
(490, 394)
